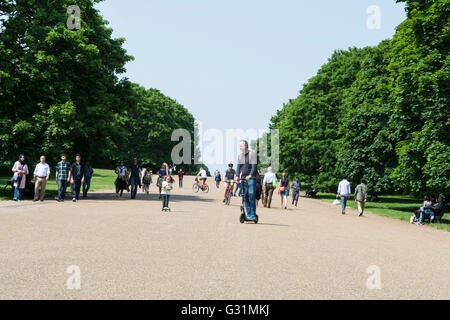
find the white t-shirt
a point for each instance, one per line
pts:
(268, 178)
(166, 187)
(203, 174)
(42, 170)
(344, 188)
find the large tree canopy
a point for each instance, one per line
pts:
(381, 113)
(60, 90)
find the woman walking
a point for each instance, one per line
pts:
(162, 173)
(122, 178)
(284, 190)
(19, 179)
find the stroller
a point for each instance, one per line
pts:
(28, 191)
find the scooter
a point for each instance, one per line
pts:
(243, 217)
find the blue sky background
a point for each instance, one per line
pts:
(233, 63)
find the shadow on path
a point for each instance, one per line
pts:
(143, 197)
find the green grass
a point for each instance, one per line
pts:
(103, 179)
(392, 206)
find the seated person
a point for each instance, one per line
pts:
(427, 203)
(311, 192)
(430, 210)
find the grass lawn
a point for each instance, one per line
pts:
(103, 179)
(396, 207)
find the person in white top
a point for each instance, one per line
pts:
(203, 176)
(167, 186)
(41, 175)
(268, 187)
(344, 191)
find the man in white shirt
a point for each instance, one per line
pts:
(203, 176)
(268, 187)
(41, 175)
(344, 191)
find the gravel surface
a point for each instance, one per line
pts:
(129, 249)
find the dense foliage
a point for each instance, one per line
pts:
(381, 113)
(60, 90)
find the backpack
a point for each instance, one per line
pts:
(147, 178)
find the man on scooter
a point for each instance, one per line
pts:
(247, 171)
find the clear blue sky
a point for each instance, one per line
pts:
(233, 63)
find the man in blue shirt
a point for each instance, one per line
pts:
(229, 180)
(247, 171)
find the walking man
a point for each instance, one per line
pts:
(135, 180)
(41, 175)
(88, 172)
(63, 172)
(344, 191)
(180, 178)
(361, 196)
(247, 170)
(77, 178)
(296, 191)
(268, 183)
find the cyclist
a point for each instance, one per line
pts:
(229, 180)
(203, 176)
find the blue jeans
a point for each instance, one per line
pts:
(344, 202)
(17, 191)
(248, 188)
(134, 182)
(165, 200)
(426, 213)
(86, 186)
(76, 186)
(62, 187)
(238, 186)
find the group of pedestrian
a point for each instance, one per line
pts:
(78, 175)
(135, 177)
(344, 194)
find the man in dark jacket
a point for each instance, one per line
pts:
(247, 171)
(135, 179)
(77, 178)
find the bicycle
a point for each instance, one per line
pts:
(197, 187)
(229, 191)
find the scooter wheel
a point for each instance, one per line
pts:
(242, 219)
(256, 219)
